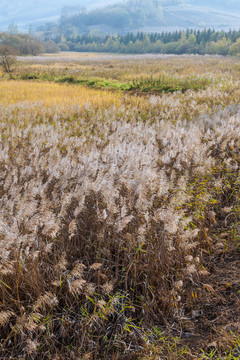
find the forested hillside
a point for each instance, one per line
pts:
(124, 15)
(150, 16)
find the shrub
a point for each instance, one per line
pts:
(51, 47)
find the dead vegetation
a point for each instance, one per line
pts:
(119, 227)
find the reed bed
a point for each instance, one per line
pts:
(108, 205)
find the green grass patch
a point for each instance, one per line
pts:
(163, 84)
(171, 84)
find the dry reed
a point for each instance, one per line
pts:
(107, 204)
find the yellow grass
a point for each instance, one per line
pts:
(67, 54)
(12, 92)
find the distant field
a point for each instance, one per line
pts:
(145, 74)
(65, 56)
(78, 57)
(120, 208)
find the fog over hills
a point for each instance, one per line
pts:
(200, 14)
(221, 4)
(26, 12)
(220, 14)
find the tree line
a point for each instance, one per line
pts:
(207, 41)
(24, 44)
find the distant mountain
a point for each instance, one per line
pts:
(26, 12)
(176, 14)
(200, 14)
(155, 16)
(123, 16)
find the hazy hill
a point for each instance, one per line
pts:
(124, 16)
(199, 15)
(141, 15)
(221, 14)
(25, 12)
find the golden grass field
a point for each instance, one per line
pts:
(119, 211)
(54, 94)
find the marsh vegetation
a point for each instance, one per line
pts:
(119, 209)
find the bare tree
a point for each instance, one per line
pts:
(8, 59)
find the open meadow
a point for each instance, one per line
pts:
(120, 208)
